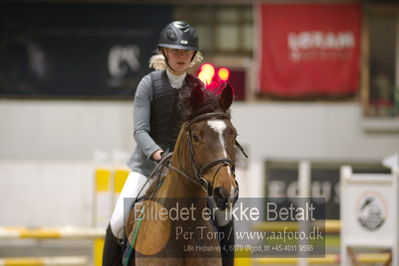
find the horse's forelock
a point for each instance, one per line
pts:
(209, 104)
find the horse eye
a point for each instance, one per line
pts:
(196, 138)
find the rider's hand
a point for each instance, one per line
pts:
(157, 155)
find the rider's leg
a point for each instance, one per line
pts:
(112, 253)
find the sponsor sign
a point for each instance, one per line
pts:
(309, 49)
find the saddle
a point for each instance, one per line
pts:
(134, 218)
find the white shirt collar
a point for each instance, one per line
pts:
(176, 81)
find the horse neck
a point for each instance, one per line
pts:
(179, 185)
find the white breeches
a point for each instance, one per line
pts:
(132, 187)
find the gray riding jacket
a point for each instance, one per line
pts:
(156, 122)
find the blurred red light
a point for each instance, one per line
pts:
(206, 74)
(224, 74)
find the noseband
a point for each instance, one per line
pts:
(199, 171)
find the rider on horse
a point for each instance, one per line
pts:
(159, 100)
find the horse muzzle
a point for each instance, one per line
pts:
(223, 200)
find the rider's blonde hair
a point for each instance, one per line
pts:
(157, 61)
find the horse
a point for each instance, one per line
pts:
(175, 225)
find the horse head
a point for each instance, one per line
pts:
(210, 140)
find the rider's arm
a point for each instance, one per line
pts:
(141, 114)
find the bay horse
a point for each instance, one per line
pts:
(174, 225)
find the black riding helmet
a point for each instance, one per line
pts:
(179, 35)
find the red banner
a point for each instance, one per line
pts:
(310, 49)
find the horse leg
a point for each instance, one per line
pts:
(225, 227)
(226, 243)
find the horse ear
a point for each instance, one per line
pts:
(226, 98)
(197, 97)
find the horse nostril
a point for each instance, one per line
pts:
(220, 193)
(220, 197)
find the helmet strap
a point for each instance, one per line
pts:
(192, 58)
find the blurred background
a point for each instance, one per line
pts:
(314, 81)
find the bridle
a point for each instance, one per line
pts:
(199, 171)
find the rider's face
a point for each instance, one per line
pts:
(179, 60)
